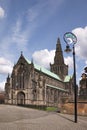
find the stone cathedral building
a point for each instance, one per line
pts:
(83, 86)
(31, 84)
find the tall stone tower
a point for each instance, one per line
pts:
(59, 66)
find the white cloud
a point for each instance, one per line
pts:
(5, 66)
(81, 45)
(42, 10)
(44, 57)
(32, 15)
(5, 69)
(2, 12)
(86, 62)
(19, 36)
(2, 85)
(4, 61)
(69, 61)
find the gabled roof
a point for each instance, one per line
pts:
(48, 72)
(45, 71)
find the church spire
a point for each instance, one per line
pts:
(58, 59)
(8, 79)
(21, 53)
(59, 67)
(58, 46)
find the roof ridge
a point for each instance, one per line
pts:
(44, 70)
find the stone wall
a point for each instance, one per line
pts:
(2, 97)
(69, 108)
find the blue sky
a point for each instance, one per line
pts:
(33, 26)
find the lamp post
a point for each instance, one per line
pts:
(71, 39)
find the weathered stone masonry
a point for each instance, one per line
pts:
(31, 84)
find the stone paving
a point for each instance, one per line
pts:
(19, 118)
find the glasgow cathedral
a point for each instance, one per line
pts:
(31, 84)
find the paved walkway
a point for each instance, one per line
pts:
(19, 118)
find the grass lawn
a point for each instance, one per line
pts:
(51, 109)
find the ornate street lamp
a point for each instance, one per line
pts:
(71, 39)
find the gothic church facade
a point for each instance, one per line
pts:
(31, 84)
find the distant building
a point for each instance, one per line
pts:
(31, 84)
(83, 86)
(2, 97)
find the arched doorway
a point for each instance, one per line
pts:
(21, 98)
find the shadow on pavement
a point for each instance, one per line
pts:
(66, 117)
